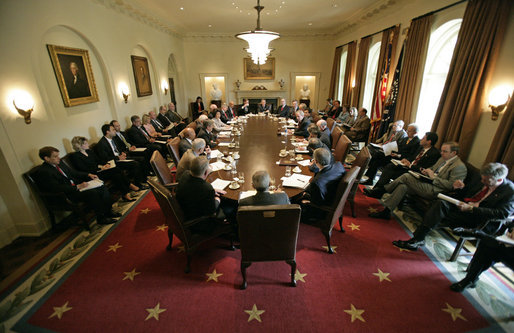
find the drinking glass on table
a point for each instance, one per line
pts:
(272, 184)
(233, 171)
(291, 154)
(241, 177)
(288, 171)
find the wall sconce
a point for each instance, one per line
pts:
(24, 104)
(124, 91)
(164, 87)
(498, 99)
(281, 83)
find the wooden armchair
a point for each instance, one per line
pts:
(268, 233)
(342, 148)
(165, 176)
(362, 161)
(178, 226)
(336, 134)
(334, 212)
(173, 148)
(330, 124)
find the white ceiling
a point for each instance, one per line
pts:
(228, 17)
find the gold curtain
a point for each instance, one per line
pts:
(362, 59)
(478, 44)
(349, 73)
(416, 45)
(335, 72)
(502, 147)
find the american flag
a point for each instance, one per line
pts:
(376, 114)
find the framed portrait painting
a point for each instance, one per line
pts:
(259, 72)
(74, 75)
(141, 76)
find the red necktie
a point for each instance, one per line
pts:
(390, 138)
(420, 155)
(479, 196)
(62, 173)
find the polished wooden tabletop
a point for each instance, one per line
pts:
(259, 149)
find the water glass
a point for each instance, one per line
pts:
(241, 178)
(288, 171)
(272, 184)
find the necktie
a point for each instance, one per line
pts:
(62, 173)
(144, 133)
(123, 139)
(116, 152)
(479, 196)
(159, 124)
(390, 138)
(436, 171)
(420, 155)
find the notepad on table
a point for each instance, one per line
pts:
(246, 194)
(217, 166)
(296, 180)
(220, 184)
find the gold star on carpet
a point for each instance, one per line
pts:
(130, 275)
(181, 249)
(114, 247)
(299, 276)
(145, 211)
(355, 313)
(333, 248)
(455, 312)
(354, 226)
(372, 210)
(59, 310)
(161, 227)
(401, 250)
(255, 314)
(382, 276)
(213, 276)
(154, 312)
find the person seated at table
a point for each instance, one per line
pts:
(218, 124)
(224, 113)
(84, 159)
(231, 110)
(492, 201)
(56, 177)
(407, 146)
(323, 127)
(188, 135)
(315, 117)
(323, 186)
(197, 148)
(244, 109)
(212, 110)
(283, 109)
(158, 126)
(360, 129)
(139, 137)
(149, 127)
(260, 182)
(197, 197)
(199, 123)
(293, 109)
(488, 252)
(207, 133)
(426, 156)
(263, 107)
(303, 124)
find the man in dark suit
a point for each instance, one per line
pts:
(360, 129)
(138, 136)
(107, 150)
(176, 119)
(293, 109)
(406, 147)
(260, 182)
(231, 111)
(224, 113)
(492, 201)
(244, 109)
(303, 124)
(55, 177)
(263, 107)
(325, 134)
(160, 127)
(207, 134)
(283, 109)
(426, 156)
(186, 142)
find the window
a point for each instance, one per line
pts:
(342, 70)
(371, 75)
(440, 52)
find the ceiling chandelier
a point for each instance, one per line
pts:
(258, 39)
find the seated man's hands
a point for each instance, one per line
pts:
(406, 162)
(428, 172)
(464, 207)
(458, 184)
(92, 176)
(220, 192)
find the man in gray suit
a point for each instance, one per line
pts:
(360, 129)
(260, 182)
(441, 177)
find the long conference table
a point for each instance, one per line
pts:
(259, 149)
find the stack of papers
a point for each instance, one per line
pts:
(220, 184)
(304, 162)
(140, 149)
(92, 184)
(215, 153)
(223, 144)
(296, 180)
(217, 166)
(301, 150)
(161, 142)
(246, 194)
(388, 148)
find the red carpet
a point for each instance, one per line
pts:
(410, 298)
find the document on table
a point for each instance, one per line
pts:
(215, 153)
(217, 166)
(301, 150)
(296, 180)
(246, 194)
(304, 162)
(139, 149)
(220, 184)
(225, 133)
(94, 183)
(223, 144)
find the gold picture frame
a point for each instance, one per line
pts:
(259, 72)
(74, 75)
(141, 76)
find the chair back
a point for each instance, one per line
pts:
(171, 210)
(342, 148)
(174, 149)
(192, 125)
(268, 233)
(343, 190)
(160, 168)
(362, 161)
(67, 161)
(330, 124)
(336, 134)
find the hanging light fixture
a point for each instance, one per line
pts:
(258, 39)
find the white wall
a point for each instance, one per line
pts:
(110, 38)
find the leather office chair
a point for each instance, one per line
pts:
(362, 161)
(165, 176)
(334, 212)
(178, 226)
(336, 134)
(342, 148)
(268, 233)
(174, 150)
(330, 124)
